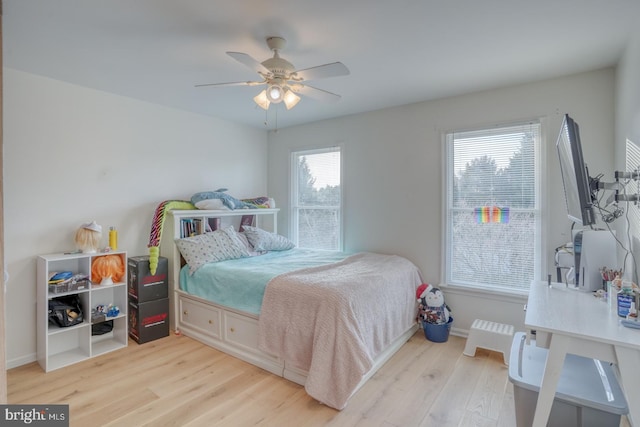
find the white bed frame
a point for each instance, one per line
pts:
(228, 330)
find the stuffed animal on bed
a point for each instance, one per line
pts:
(218, 200)
(436, 310)
(156, 229)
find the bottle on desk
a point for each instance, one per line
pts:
(626, 300)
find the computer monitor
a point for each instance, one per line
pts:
(575, 175)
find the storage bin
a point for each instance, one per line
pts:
(143, 286)
(437, 333)
(68, 286)
(148, 321)
(587, 395)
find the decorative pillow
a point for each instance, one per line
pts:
(262, 240)
(219, 245)
(245, 241)
(211, 204)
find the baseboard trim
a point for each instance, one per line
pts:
(19, 361)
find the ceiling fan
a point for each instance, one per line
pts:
(282, 79)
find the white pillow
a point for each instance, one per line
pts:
(219, 245)
(211, 204)
(262, 240)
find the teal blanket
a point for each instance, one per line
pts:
(240, 283)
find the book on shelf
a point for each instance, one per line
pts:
(213, 224)
(190, 227)
(246, 220)
(197, 223)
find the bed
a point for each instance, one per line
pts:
(322, 319)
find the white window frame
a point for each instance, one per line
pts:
(539, 238)
(293, 192)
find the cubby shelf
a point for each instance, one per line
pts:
(63, 346)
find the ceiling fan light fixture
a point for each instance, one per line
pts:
(275, 92)
(281, 80)
(290, 99)
(262, 100)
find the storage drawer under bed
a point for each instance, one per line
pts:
(241, 331)
(231, 332)
(201, 317)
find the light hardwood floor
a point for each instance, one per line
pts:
(176, 381)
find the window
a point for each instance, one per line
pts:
(632, 165)
(493, 231)
(316, 199)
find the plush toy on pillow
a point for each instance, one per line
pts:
(436, 310)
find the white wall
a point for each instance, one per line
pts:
(393, 171)
(73, 155)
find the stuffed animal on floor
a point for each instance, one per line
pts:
(436, 310)
(421, 294)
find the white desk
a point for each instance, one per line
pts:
(576, 322)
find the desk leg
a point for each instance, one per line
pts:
(552, 369)
(628, 363)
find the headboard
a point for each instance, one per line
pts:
(181, 223)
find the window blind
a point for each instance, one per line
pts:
(493, 216)
(316, 199)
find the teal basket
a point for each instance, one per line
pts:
(437, 333)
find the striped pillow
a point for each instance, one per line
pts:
(262, 240)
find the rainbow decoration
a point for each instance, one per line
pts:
(495, 214)
(156, 229)
(500, 215)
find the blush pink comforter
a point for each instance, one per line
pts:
(333, 320)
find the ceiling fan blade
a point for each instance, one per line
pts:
(314, 92)
(231, 84)
(334, 69)
(250, 62)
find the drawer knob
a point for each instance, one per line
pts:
(232, 330)
(211, 322)
(186, 312)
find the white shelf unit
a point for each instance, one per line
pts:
(58, 346)
(266, 219)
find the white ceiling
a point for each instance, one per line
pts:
(398, 52)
